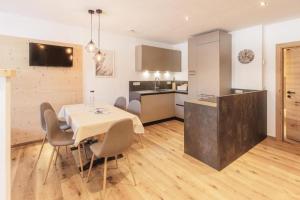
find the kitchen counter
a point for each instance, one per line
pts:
(219, 130)
(162, 91)
(136, 95)
(212, 102)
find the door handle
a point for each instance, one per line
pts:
(291, 92)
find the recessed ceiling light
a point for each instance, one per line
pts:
(263, 4)
(186, 18)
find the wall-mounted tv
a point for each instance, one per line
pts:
(46, 55)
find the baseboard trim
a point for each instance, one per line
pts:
(163, 120)
(25, 143)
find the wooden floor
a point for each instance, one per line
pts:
(271, 170)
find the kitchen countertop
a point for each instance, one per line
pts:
(212, 102)
(161, 91)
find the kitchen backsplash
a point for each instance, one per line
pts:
(149, 85)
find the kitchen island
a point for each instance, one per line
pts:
(219, 130)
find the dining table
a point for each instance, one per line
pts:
(88, 121)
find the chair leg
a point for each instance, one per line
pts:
(140, 138)
(116, 158)
(104, 177)
(57, 153)
(80, 160)
(49, 165)
(66, 149)
(83, 146)
(130, 169)
(44, 140)
(90, 169)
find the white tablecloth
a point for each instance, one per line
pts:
(86, 123)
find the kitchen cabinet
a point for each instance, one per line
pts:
(157, 107)
(179, 104)
(209, 62)
(157, 59)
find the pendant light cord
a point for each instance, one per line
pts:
(99, 32)
(91, 27)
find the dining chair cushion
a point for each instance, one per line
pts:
(55, 135)
(118, 139)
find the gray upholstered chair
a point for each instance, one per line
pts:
(62, 124)
(116, 141)
(135, 108)
(45, 106)
(55, 136)
(120, 103)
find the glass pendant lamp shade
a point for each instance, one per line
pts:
(90, 47)
(99, 56)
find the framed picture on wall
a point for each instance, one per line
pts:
(106, 68)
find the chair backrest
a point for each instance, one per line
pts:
(43, 107)
(120, 103)
(134, 107)
(118, 138)
(52, 124)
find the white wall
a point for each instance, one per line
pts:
(107, 89)
(247, 76)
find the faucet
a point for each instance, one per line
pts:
(157, 82)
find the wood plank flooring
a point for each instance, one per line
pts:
(271, 170)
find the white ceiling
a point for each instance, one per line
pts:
(159, 20)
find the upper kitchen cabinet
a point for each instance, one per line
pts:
(157, 59)
(209, 62)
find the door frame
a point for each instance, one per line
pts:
(280, 87)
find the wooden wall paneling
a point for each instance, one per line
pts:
(33, 85)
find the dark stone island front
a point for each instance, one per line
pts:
(220, 130)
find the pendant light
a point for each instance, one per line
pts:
(99, 56)
(91, 47)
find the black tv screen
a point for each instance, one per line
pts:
(46, 55)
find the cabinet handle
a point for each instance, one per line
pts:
(180, 105)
